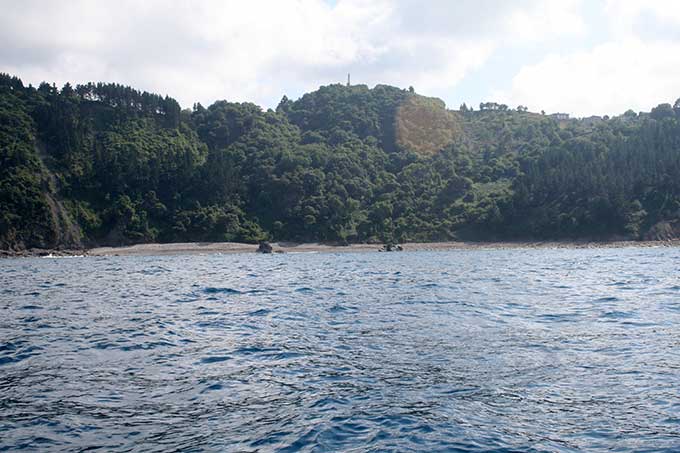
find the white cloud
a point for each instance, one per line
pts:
(608, 79)
(637, 67)
(547, 19)
(259, 50)
(624, 14)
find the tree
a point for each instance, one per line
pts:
(662, 111)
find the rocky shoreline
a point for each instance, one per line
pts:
(46, 253)
(200, 248)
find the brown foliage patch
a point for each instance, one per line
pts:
(425, 126)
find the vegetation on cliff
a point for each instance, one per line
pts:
(106, 164)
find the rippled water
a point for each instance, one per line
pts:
(515, 350)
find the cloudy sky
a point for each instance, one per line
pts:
(583, 57)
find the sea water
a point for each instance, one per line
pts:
(468, 350)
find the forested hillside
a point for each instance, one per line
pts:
(105, 164)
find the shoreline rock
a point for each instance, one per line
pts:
(265, 247)
(391, 248)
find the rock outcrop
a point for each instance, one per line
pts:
(663, 231)
(265, 247)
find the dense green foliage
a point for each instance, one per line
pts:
(24, 210)
(106, 164)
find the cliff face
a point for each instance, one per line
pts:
(41, 221)
(65, 232)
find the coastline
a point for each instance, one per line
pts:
(193, 248)
(202, 248)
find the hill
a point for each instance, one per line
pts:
(105, 164)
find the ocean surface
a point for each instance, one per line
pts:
(470, 350)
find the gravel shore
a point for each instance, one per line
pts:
(198, 248)
(288, 247)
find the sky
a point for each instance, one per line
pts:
(583, 57)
